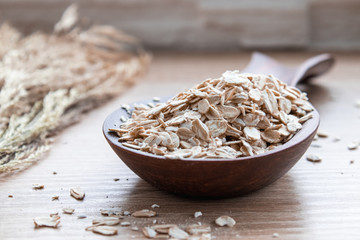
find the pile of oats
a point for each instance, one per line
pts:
(228, 117)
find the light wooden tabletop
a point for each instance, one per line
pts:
(312, 201)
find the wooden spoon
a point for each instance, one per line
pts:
(311, 68)
(224, 177)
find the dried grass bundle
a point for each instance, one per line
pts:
(48, 80)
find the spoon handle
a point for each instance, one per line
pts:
(313, 67)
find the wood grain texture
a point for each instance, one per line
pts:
(312, 201)
(208, 24)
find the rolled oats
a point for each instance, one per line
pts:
(108, 221)
(149, 232)
(322, 134)
(145, 213)
(353, 145)
(125, 224)
(225, 221)
(53, 198)
(313, 158)
(77, 193)
(105, 230)
(198, 214)
(232, 116)
(178, 233)
(68, 210)
(163, 228)
(38, 186)
(53, 221)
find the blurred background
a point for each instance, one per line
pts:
(208, 24)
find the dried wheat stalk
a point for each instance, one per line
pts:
(48, 80)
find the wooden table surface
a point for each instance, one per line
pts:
(312, 201)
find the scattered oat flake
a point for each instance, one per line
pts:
(125, 224)
(198, 214)
(68, 210)
(156, 99)
(149, 232)
(178, 233)
(155, 206)
(131, 145)
(252, 133)
(353, 145)
(163, 228)
(108, 221)
(105, 230)
(322, 134)
(145, 213)
(53, 221)
(38, 186)
(135, 229)
(313, 158)
(77, 193)
(228, 117)
(305, 118)
(55, 198)
(225, 221)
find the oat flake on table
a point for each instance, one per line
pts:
(231, 116)
(77, 193)
(52, 221)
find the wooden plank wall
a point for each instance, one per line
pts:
(209, 24)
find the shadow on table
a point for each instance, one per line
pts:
(271, 209)
(318, 94)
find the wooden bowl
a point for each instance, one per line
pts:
(216, 178)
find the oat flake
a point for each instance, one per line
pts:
(77, 193)
(231, 116)
(225, 221)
